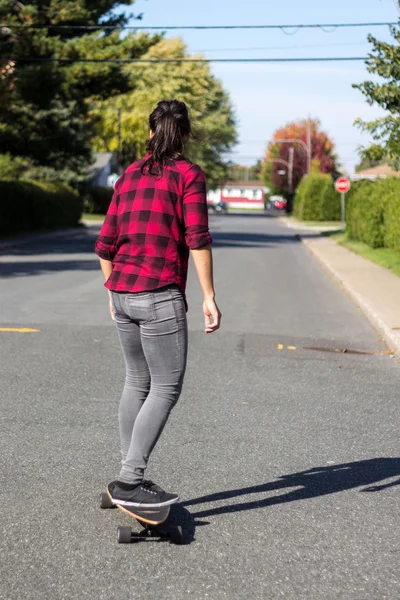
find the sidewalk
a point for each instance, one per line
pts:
(373, 289)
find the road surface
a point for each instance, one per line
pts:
(286, 458)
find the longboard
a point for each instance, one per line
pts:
(150, 518)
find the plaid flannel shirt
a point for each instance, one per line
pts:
(151, 224)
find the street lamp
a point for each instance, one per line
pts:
(289, 165)
(306, 147)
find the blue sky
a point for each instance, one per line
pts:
(266, 96)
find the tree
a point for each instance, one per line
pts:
(373, 156)
(323, 157)
(44, 106)
(384, 60)
(238, 172)
(209, 106)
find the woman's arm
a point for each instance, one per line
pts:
(198, 239)
(106, 267)
(203, 261)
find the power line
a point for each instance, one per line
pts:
(291, 47)
(323, 26)
(186, 60)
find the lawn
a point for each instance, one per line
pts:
(90, 217)
(384, 257)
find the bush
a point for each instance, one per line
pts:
(373, 213)
(98, 200)
(392, 215)
(315, 200)
(29, 206)
(12, 167)
(330, 203)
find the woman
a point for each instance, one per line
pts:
(157, 214)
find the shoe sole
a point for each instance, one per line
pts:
(144, 505)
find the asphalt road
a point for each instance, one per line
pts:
(286, 458)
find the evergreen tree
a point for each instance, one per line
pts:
(45, 106)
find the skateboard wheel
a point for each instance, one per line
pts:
(176, 536)
(124, 535)
(105, 501)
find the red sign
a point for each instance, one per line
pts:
(342, 185)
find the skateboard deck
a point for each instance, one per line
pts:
(151, 519)
(148, 516)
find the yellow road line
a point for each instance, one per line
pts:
(20, 329)
(280, 346)
(291, 348)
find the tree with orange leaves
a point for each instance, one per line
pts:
(322, 155)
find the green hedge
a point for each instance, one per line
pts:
(373, 213)
(98, 200)
(33, 205)
(316, 199)
(372, 208)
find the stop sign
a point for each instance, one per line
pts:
(342, 185)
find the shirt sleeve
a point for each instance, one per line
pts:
(106, 244)
(195, 211)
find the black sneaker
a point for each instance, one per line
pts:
(145, 495)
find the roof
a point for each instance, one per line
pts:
(244, 184)
(101, 159)
(379, 171)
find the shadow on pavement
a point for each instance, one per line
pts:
(182, 517)
(251, 240)
(318, 481)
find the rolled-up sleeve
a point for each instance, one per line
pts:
(195, 211)
(106, 244)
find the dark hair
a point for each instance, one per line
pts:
(170, 124)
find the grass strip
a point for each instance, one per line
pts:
(384, 257)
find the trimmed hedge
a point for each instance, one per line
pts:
(98, 200)
(372, 208)
(317, 199)
(373, 213)
(33, 205)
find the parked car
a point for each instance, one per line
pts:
(277, 202)
(280, 204)
(221, 208)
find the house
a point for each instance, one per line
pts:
(239, 194)
(104, 171)
(379, 172)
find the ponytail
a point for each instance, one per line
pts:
(170, 125)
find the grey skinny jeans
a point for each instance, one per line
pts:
(152, 329)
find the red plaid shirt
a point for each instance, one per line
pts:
(151, 224)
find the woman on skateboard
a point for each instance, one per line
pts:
(158, 214)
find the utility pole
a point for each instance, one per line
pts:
(119, 137)
(309, 149)
(289, 204)
(290, 170)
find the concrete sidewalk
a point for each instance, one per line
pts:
(373, 289)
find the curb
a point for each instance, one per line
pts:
(392, 338)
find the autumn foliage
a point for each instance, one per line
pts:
(322, 154)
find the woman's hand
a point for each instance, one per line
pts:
(112, 311)
(212, 315)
